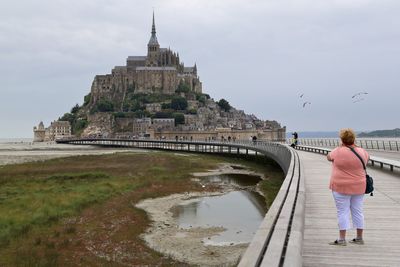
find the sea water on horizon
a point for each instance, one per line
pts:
(313, 134)
(15, 140)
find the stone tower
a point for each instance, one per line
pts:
(153, 48)
(39, 133)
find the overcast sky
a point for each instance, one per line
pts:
(260, 55)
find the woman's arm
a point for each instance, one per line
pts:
(331, 155)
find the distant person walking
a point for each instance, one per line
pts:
(348, 186)
(295, 140)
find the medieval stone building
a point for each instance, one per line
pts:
(160, 71)
(56, 130)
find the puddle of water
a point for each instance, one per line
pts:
(233, 179)
(239, 212)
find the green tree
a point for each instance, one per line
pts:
(166, 105)
(126, 106)
(68, 117)
(104, 105)
(183, 87)
(93, 110)
(223, 104)
(141, 114)
(75, 109)
(202, 98)
(179, 118)
(86, 99)
(119, 115)
(79, 125)
(136, 106)
(179, 103)
(163, 115)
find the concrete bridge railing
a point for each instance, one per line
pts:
(278, 241)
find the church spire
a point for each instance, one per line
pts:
(153, 38)
(153, 28)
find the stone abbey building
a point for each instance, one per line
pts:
(160, 71)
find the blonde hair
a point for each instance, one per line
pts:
(348, 136)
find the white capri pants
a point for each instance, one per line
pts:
(346, 204)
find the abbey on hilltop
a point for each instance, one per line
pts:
(160, 71)
(156, 96)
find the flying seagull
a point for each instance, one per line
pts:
(301, 95)
(358, 94)
(305, 103)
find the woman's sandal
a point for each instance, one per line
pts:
(338, 243)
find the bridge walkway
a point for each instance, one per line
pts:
(382, 218)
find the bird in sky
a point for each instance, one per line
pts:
(301, 95)
(358, 94)
(305, 103)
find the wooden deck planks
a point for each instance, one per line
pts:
(382, 219)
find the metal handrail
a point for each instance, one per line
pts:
(379, 144)
(373, 161)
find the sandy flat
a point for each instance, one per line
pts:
(18, 152)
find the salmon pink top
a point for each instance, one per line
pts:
(348, 175)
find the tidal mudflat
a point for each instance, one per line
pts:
(20, 152)
(80, 210)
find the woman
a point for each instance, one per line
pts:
(348, 186)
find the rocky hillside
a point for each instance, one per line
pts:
(191, 111)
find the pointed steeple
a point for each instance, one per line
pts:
(153, 38)
(153, 28)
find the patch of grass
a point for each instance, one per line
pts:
(75, 176)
